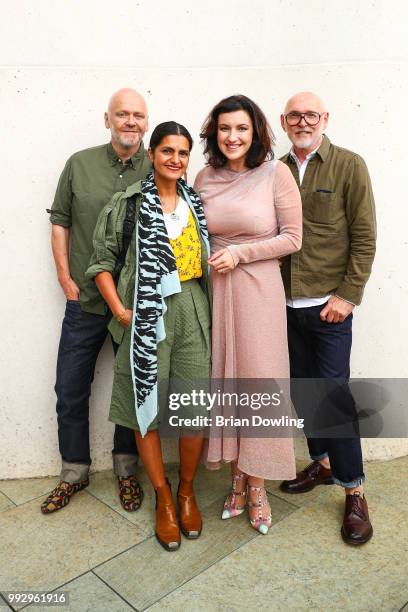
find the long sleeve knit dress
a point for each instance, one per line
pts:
(257, 214)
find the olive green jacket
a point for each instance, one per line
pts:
(339, 227)
(107, 243)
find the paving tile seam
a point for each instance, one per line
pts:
(204, 569)
(88, 493)
(26, 501)
(404, 607)
(65, 584)
(10, 500)
(294, 506)
(118, 513)
(7, 604)
(95, 567)
(295, 496)
(59, 587)
(114, 591)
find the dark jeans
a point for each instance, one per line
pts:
(82, 337)
(321, 351)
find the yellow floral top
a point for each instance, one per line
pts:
(187, 251)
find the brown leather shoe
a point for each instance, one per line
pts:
(314, 474)
(356, 528)
(167, 529)
(189, 515)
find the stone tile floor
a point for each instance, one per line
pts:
(108, 560)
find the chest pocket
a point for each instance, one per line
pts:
(323, 208)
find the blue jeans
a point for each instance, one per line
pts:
(82, 337)
(320, 350)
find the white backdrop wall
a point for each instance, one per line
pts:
(61, 62)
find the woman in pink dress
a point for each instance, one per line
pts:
(254, 216)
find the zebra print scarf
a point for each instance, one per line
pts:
(156, 278)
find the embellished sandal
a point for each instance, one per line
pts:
(130, 493)
(61, 495)
(233, 507)
(259, 521)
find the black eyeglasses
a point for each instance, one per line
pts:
(310, 117)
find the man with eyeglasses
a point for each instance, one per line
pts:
(324, 281)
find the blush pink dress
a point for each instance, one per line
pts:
(257, 214)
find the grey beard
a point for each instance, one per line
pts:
(126, 145)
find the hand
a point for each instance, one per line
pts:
(336, 310)
(70, 288)
(222, 261)
(127, 318)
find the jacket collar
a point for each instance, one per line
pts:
(322, 152)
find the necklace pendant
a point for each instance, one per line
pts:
(174, 216)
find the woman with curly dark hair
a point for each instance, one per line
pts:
(253, 210)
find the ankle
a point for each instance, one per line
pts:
(359, 490)
(259, 510)
(325, 463)
(239, 482)
(256, 492)
(254, 481)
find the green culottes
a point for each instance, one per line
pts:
(184, 355)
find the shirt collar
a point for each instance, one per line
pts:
(114, 159)
(322, 151)
(297, 160)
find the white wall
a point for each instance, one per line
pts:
(60, 63)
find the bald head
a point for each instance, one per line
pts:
(125, 96)
(304, 120)
(126, 118)
(306, 100)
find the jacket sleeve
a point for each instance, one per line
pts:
(288, 205)
(106, 238)
(360, 212)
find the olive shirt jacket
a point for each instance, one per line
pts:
(107, 243)
(339, 227)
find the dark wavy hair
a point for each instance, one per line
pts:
(169, 128)
(262, 142)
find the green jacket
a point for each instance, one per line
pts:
(339, 227)
(107, 244)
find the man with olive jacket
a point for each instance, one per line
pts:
(324, 281)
